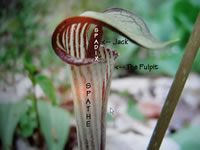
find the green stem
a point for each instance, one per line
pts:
(176, 88)
(36, 107)
(31, 76)
(39, 138)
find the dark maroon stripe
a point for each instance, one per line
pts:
(60, 37)
(104, 50)
(74, 41)
(79, 40)
(85, 39)
(69, 39)
(65, 38)
(110, 60)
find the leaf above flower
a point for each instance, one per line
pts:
(129, 25)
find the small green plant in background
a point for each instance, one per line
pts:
(10, 115)
(134, 111)
(28, 120)
(132, 108)
(30, 114)
(22, 43)
(54, 123)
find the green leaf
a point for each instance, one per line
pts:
(30, 67)
(47, 86)
(54, 123)
(184, 19)
(128, 24)
(28, 122)
(133, 110)
(182, 14)
(188, 138)
(10, 114)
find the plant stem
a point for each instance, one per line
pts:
(39, 138)
(34, 100)
(176, 88)
(36, 107)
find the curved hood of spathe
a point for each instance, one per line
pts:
(71, 43)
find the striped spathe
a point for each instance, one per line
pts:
(71, 43)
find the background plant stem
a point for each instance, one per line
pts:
(176, 88)
(38, 139)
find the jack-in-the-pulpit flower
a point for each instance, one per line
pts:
(91, 64)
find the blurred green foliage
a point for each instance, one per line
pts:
(28, 121)
(10, 115)
(55, 124)
(134, 111)
(20, 26)
(47, 86)
(132, 108)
